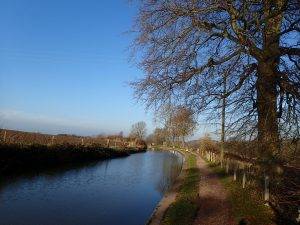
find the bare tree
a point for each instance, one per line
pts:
(163, 116)
(185, 47)
(184, 123)
(223, 117)
(159, 136)
(178, 122)
(138, 130)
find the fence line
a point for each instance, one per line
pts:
(27, 138)
(247, 171)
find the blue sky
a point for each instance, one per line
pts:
(64, 67)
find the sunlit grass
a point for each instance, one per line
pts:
(184, 209)
(246, 203)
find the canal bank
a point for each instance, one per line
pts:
(179, 206)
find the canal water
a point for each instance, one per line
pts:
(122, 191)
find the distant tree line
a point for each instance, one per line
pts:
(178, 122)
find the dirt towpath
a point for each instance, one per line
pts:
(214, 208)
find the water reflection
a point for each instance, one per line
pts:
(171, 169)
(117, 191)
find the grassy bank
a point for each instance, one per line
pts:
(184, 209)
(246, 204)
(17, 158)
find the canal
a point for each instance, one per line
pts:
(110, 192)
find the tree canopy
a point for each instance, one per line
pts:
(186, 47)
(138, 130)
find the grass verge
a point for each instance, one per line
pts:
(184, 209)
(246, 203)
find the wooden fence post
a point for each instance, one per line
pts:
(227, 165)
(298, 218)
(4, 136)
(250, 173)
(82, 141)
(234, 173)
(52, 140)
(244, 178)
(267, 188)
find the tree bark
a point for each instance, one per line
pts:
(267, 81)
(268, 135)
(223, 118)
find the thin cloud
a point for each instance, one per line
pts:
(19, 120)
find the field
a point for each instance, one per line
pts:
(25, 151)
(114, 141)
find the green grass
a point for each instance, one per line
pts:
(184, 209)
(246, 203)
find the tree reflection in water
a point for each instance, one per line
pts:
(171, 170)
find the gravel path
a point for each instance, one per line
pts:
(214, 208)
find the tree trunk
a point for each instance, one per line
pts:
(183, 142)
(223, 118)
(268, 135)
